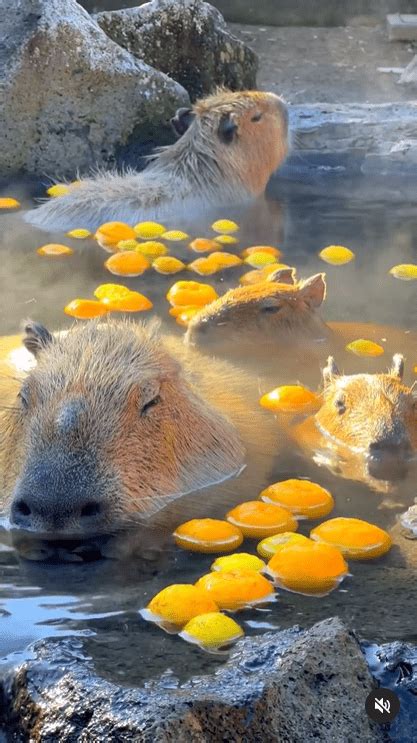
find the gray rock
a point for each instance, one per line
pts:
(285, 686)
(186, 39)
(69, 96)
(410, 73)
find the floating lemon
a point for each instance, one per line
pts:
(184, 317)
(260, 259)
(85, 309)
(227, 239)
(237, 589)
(178, 603)
(303, 498)
(130, 244)
(208, 535)
(225, 260)
(336, 255)
(293, 398)
(415, 369)
(239, 561)
(212, 631)
(6, 202)
(79, 234)
(131, 302)
(258, 519)
(204, 245)
(356, 539)
(404, 271)
(111, 291)
(58, 189)
(149, 230)
(224, 225)
(204, 266)
(261, 249)
(308, 568)
(175, 235)
(254, 277)
(362, 347)
(168, 265)
(54, 249)
(191, 293)
(127, 264)
(271, 545)
(152, 249)
(111, 233)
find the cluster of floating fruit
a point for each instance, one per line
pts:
(110, 298)
(313, 565)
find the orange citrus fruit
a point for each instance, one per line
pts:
(308, 568)
(258, 519)
(111, 233)
(303, 498)
(191, 293)
(269, 546)
(178, 603)
(237, 589)
(54, 249)
(85, 309)
(291, 398)
(356, 539)
(208, 535)
(211, 631)
(167, 265)
(127, 264)
(203, 245)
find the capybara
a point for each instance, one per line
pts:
(229, 145)
(277, 324)
(366, 427)
(114, 422)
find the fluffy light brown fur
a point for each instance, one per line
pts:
(200, 170)
(81, 407)
(362, 416)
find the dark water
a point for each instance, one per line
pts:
(99, 601)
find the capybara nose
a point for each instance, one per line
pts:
(49, 499)
(29, 513)
(388, 461)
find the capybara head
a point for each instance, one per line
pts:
(279, 307)
(107, 429)
(374, 415)
(245, 132)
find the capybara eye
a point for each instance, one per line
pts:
(340, 405)
(150, 404)
(257, 117)
(23, 399)
(272, 308)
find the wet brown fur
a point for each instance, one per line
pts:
(205, 428)
(199, 170)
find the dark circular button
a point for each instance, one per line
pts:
(382, 705)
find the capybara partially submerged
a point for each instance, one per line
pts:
(277, 323)
(366, 427)
(229, 146)
(113, 423)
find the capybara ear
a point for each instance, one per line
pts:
(227, 128)
(182, 120)
(313, 290)
(397, 369)
(36, 337)
(283, 276)
(330, 371)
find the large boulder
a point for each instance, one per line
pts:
(186, 39)
(69, 96)
(283, 686)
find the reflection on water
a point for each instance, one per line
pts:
(99, 600)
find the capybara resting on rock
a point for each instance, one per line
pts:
(113, 423)
(229, 146)
(366, 427)
(277, 323)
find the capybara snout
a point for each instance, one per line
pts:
(62, 491)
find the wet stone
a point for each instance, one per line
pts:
(290, 685)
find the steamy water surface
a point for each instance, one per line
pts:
(99, 600)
